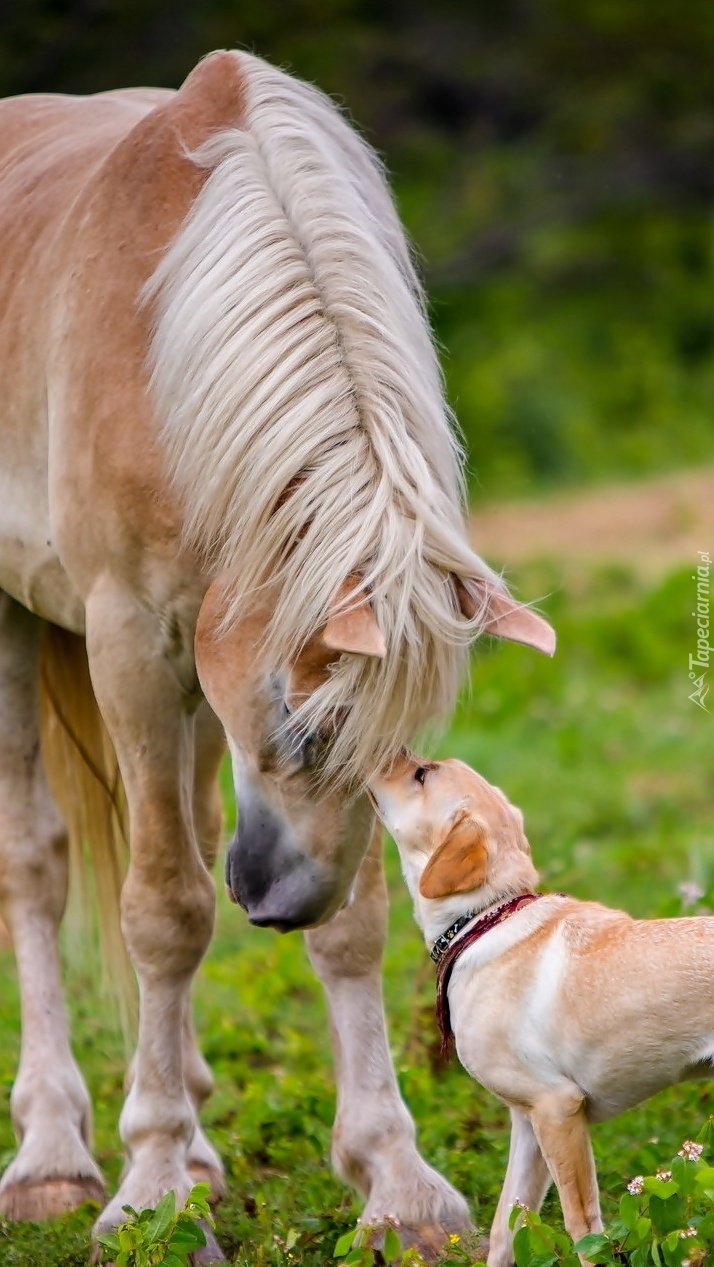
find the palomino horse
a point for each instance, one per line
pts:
(227, 469)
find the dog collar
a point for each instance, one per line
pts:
(442, 943)
(447, 955)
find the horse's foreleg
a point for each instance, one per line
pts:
(168, 895)
(202, 1161)
(204, 1164)
(374, 1146)
(53, 1170)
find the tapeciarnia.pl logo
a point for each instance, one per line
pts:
(699, 663)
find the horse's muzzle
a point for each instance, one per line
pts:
(267, 873)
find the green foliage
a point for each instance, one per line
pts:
(164, 1235)
(64, 1243)
(665, 1219)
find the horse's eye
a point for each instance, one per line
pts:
(310, 752)
(420, 774)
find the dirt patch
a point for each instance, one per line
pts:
(651, 526)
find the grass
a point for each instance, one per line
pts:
(611, 764)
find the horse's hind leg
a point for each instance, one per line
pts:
(53, 1170)
(374, 1146)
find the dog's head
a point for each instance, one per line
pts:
(461, 841)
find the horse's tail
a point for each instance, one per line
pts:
(83, 773)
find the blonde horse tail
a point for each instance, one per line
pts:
(84, 776)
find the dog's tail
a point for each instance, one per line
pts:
(83, 773)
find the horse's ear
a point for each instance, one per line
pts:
(459, 864)
(210, 98)
(353, 629)
(503, 617)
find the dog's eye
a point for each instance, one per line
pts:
(420, 775)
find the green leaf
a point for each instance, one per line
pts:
(127, 1234)
(705, 1177)
(706, 1135)
(668, 1214)
(187, 1238)
(344, 1244)
(673, 1257)
(110, 1240)
(661, 1188)
(162, 1218)
(593, 1243)
(522, 1247)
(629, 1209)
(392, 1245)
(684, 1172)
(657, 1257)
(528, 1246)
(640, 1257)
(197, 1202)
(361, 1255)
(292, 1238)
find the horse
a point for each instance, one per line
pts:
(231, 512)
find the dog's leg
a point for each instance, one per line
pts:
(374, 1147)
(561, 1129)
(527, 1181)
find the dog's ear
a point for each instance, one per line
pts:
(460, 863)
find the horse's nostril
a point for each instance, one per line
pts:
(280, 925)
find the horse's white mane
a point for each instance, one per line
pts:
(305, 423)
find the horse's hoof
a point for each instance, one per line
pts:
(211, 1175)
(209, 1253)
(431, 1240)
(32, 1200)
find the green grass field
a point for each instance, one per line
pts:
(611, 764)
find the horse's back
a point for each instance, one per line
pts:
(50, 149)
(91, 191)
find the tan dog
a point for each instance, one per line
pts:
(568, 1011)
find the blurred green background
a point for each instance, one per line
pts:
(553, 162)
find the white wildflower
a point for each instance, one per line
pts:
(691, 1150)
(690, 892)
(636, 1185)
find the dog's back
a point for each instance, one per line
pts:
(620, 1007)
